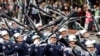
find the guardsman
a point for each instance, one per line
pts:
(54, 48)
(63, 36)
(85, 35)
(29, 37)
(79, 34)
(8, 46)
(73, 49)
(20, 45)
(91, 47)
(38, 26)
(63, 32)
(34, 49)
(37, 47)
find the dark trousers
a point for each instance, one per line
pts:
(46, 19)
(90, 26)
(36, 17)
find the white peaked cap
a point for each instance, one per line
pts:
(62, 29)
(54, 35)
(46, 33)
(10, 23)
(83, 31)
(4, 32)
(72, 38)
(90, 43)
(39, 24)
(35, 36)
(16, 35)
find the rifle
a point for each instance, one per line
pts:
(32, 25)
(61, 23)
(9, 18)
(6, 23)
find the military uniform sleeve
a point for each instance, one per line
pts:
(8, 51)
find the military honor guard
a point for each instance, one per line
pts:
(21, 47)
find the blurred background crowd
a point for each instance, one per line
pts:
(16, 9)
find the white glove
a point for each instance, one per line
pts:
(1, 40)
(77, 33)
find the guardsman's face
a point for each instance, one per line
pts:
(64, 33)
(19, 39)
(39, 27)
(53, 40)
(37, 40)
(90, 49)
(6, 37)
(72, 42)
(15, 25)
